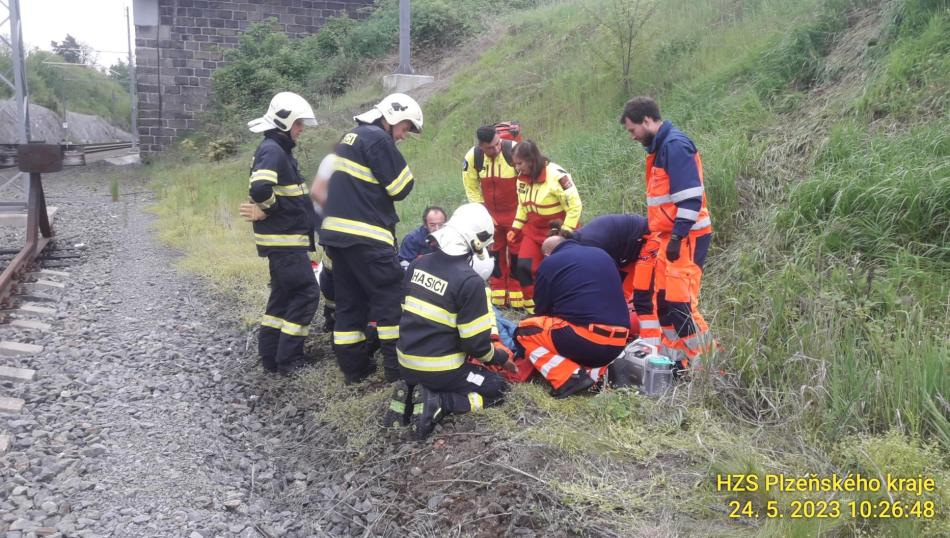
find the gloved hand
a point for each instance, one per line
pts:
(512, 236)
(673, 248)
(251, 212)
(510, 366)
(502, 353)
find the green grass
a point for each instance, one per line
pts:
(827, 285)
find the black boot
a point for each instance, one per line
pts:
(426, 412)
(399, 412)
(579, 381)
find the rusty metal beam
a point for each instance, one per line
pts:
(34, 159)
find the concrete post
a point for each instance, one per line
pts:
(405, 13)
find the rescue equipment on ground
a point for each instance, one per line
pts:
(642, 367)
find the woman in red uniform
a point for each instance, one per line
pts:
(546, 193)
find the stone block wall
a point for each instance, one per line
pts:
(179, 43)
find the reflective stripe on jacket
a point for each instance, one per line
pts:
(277, 187)
(553, 196)
(495, 185)
(370, 176)
(676, 197)
(447, 315)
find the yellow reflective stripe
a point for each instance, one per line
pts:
(475, 401)
(355, 227)
(355, 170)
(547, 210)
(264, 175)
(429, 311)
(400, 182)
(272, 322)
(348, 337)
(286, 327)
(431, 364)
(290, 190)
(266, 204)
(294, 329)
(476, 326)
(266, 240)
(387, 332)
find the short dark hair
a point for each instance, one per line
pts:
(640, 108)
(529, 151)
(485, 134)
(430, 209)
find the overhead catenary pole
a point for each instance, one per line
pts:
(404, 17)
(19, 73)
(135, 107)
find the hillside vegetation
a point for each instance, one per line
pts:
(73, 88)
(825, 136)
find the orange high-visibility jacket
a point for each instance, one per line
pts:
(676, 197)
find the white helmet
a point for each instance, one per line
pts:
(394, 108)
(285, 108)
(469, 230)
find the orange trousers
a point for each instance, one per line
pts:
(558, 348)
(685, 334)
(641, 289)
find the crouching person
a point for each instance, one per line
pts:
(447, 317)
(582, 318)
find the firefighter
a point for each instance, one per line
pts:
(283, 231)
(490, 178)
(358, 233)
(582, 320)
(447, 317)
(546, 193)
(416, 243)
(318, 195)
(679, 218)
(627, 239)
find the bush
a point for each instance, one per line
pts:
(221, 149)
(267, 61)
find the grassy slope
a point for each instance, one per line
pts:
(823, 127)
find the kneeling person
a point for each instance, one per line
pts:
(447, 317)
(582, 318)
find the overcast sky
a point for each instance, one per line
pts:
(99, 23)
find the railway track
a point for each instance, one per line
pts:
(23, 283)
(73, 154)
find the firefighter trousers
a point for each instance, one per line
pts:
(294, 297)
(366, 279)
(685, 334)
(558, 348)
(467, 388)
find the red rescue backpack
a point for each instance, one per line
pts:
(509, 132)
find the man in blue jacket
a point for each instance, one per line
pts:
(581, 322)
(416, 242)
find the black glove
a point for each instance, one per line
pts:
(673, 248)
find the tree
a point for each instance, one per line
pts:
(623, 20)
(74, 52)
(119, 72)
